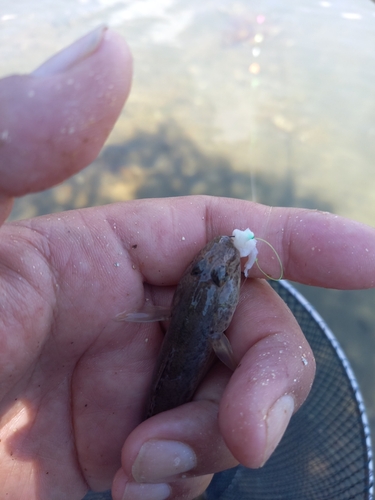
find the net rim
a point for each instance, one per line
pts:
(349, 371)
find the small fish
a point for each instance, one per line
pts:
(202, 308)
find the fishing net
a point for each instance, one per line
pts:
(325, 453)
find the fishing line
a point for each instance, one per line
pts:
(245, 242)
(278, 259)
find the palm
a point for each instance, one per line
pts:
(81, 376)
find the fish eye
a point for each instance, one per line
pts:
(197, 269)
(219, 276)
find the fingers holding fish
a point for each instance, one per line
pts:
(180, 448)
(315, 248)
(273, 378)
(233, 417)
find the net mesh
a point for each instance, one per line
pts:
(325, 453)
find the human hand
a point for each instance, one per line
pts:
(74, 381)
(54, 121)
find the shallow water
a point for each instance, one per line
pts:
(275, 104)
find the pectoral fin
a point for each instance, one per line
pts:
(147, 314)
(223, 350)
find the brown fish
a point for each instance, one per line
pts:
(202, 308)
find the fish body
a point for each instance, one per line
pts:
(202, 308)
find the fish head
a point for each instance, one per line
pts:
(218, 262)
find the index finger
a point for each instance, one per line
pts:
(315, 248)
(154, 240)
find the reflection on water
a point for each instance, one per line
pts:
(158, 164)
(230, 98)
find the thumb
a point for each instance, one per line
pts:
(54, 122)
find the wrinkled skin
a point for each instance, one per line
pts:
(73, 382)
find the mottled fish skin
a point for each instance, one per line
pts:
(203, 305)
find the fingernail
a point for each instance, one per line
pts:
(135, 491)
(73, 54)
(161, 460)
(277, 421)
